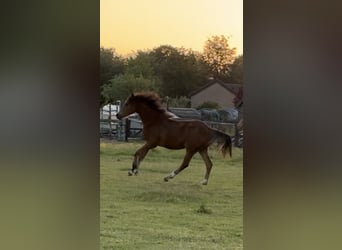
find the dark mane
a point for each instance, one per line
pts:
(151, 99)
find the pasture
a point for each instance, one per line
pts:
(144, 212)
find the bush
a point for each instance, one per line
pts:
(209, 105)
(203, 210)
(179, 102)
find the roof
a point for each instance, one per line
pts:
(231, 87)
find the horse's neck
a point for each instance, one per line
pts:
(149, 115)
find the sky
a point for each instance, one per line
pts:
(132, 25)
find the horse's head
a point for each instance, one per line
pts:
(128, 108)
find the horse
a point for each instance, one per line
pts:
(163, 128)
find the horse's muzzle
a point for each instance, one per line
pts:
(118, 116)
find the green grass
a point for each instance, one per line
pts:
(144, 212)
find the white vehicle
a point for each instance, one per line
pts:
(109, 109)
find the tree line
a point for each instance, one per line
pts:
(170, 71)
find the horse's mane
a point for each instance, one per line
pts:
(151, 99)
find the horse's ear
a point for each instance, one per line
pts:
(132, 94)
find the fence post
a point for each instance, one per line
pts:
(110, 121)
(120, 131)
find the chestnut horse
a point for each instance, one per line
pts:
(162, 128)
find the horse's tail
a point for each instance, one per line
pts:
(225, 143)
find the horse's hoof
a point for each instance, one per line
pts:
(132, 172)
(166, 179)
(204, 182)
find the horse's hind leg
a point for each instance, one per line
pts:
(138, 157)
(189, 154)
(208, 164)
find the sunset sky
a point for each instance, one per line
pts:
(131, 25)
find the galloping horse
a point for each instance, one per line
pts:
(162, 128)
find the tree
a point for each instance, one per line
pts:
(236, 72)
(180, 70)
(219, 56)
(122, 86)
(141, 65)
(111, 65)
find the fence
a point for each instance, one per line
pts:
(228, 128)
(120, 130)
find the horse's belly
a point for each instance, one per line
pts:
(173, 146)
(172, 143)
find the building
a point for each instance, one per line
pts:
(215, 91)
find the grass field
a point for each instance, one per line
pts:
(144, 212)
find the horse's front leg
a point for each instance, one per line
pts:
(138, 157)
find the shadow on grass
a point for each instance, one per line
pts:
(148, 170)
(162, 196)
